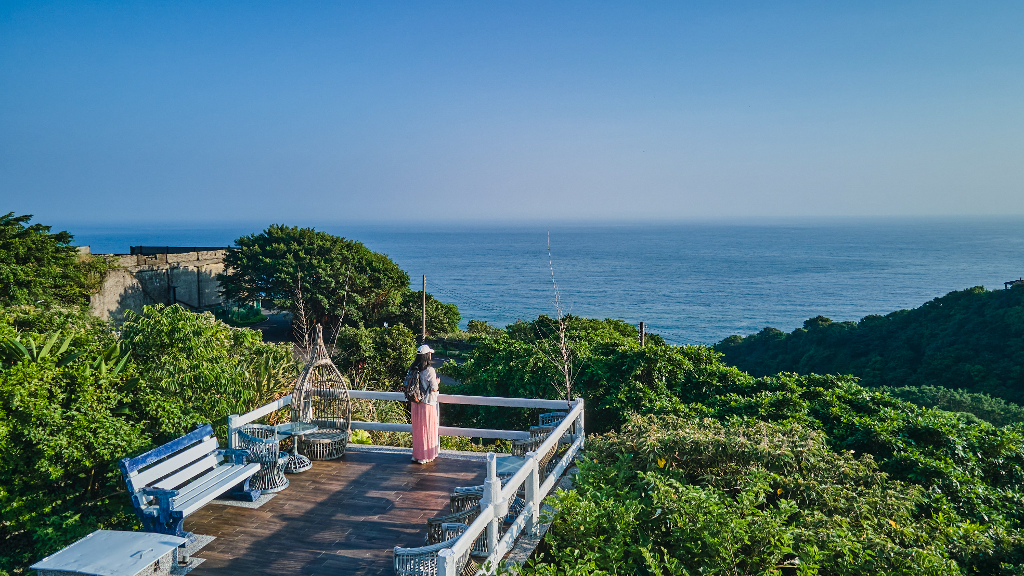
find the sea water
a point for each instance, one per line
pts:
(689, 282)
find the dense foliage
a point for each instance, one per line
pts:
(995, 411)
(40, 267)
(611, 372)
(691, 495)
(375, 358)
(336, 278)
(971, 339)
(76, 397)
(195, 369)
(706, 469)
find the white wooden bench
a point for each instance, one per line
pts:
(174, 480)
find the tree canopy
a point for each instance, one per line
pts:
(968, 339)
(37, 266)
(335, 276)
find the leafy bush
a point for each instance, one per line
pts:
(484, 329)
(671, 495)
(62, 430)
(76, 397)
(377, 359)
(197, 369)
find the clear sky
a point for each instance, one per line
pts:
(497, 110)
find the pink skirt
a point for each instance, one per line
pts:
(425, 443)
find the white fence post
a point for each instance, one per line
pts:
(491, 498)
(579, 422)
(532, 490)
(446, 563)
(231, 430)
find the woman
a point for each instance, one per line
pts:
(425, 441)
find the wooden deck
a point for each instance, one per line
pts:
(342, 517)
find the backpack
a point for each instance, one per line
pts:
(413, 386)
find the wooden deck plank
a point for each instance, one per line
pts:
(341, 517)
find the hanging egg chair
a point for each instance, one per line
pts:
(321, 398)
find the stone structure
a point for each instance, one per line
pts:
(167, 275)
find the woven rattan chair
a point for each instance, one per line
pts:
(321, 398)
(521, 447)
(550, 418)
(264, 447)
(468, 497)
(465, 497)
(422, 561)
(541, 431)
(435, 529)
(544, 464)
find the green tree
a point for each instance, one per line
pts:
(37, 266)
(335, 276)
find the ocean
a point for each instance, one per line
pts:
(691, 283)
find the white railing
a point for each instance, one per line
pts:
(236, 421)
(496, 498)
(495, 502)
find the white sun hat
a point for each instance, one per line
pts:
(424, 350)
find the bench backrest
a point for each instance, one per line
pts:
(174, 464)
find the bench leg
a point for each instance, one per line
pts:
(163, 523)
(172, 527)
(244, 493)
(149, 523)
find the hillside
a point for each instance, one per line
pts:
(694, 467)
(970, 339)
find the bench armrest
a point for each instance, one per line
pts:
(236, 455)
(158, 492)
(163, 501)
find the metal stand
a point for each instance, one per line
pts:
(297, 462)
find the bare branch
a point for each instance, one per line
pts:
(344, 308)
(300, 322)
(563, 356)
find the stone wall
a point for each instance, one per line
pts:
(188, 278)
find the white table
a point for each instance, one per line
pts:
(114, 553)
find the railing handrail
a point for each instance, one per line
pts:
(491, 511)
(464, 399)
(512, 484)
(236, 421)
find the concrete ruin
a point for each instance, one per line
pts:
(159, 275)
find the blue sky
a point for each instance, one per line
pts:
(320, 112)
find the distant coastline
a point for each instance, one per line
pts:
(690, 282)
